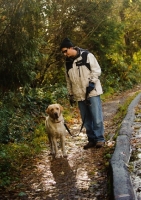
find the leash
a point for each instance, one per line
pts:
(70, 132)
(68, 129)
(80, 128)
(87, 101)
(82, 123)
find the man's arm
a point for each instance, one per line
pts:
(69, 86)
(95, 68)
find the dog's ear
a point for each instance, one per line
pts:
(47, 110)
(61, 108)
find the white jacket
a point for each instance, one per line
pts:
(78, 77)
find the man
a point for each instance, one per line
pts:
(83, 84)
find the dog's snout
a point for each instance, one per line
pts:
(56, 115)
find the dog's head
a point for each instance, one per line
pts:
(54, 110)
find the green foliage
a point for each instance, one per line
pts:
(57, 92)
(109, 92)
(19, 115)
(19, 42)
(4, 121)
(40, 138)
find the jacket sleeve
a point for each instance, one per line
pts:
(95, 68)
(69, 87)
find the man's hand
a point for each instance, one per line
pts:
(71, 99)
(90, 87)
(88, 90)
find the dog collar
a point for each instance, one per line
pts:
(53, 120)
(58, 121)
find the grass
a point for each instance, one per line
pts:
(121, 113)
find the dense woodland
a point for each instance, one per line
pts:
(32, 66)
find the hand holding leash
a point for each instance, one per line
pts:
(71, 99)
(88, 90)
(90, 87)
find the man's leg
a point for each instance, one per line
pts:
(96, 112)
(88, 123)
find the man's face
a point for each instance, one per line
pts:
(68, 52)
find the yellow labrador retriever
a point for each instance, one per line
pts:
(55, 128)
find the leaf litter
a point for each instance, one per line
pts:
(82, 175)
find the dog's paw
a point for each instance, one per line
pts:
(65, 155)
(52, 153)
(57, 156)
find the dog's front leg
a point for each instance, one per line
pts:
(55, 148)
(63, 146)
(52, 146)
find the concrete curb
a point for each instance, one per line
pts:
(122, 185)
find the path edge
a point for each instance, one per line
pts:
(122, 188)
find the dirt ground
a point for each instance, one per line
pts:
(82, 175)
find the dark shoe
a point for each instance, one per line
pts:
(89, 145)
(100, 144)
